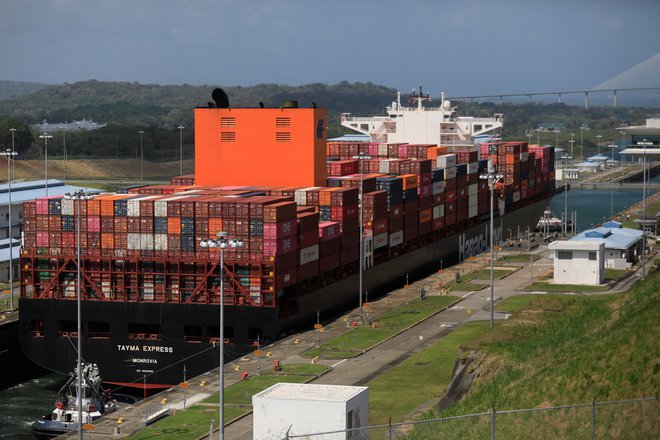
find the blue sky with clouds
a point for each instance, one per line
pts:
(465, 47)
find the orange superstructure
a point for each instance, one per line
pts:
(260, 146)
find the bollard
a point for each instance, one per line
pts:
(117, 430)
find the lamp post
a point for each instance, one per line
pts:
(78, 196)
(64, 137)
(45, 137)
(493, 179)
(564, 178)
(612, 147)
(581, 142)
(141, 156)
(222, 242)
(598, 136)
(645, 143)
(181, 127)
(572, 142)
(361, 157)
(9, 154)
(13, 130)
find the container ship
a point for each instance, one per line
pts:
(150, 292)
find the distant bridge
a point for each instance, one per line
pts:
(559, 94)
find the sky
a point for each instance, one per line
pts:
(465, 47)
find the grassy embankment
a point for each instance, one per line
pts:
(559, 350)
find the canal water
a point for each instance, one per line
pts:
(593, 205)
(23, 403)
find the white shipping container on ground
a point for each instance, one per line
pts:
(301, 409)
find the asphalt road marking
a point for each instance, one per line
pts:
(456, 308)
(468, 294)
(340, 362)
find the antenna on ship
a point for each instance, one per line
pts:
(419, 98)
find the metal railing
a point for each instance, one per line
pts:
(620, 419)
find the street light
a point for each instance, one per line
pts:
(45, 137)
(598, 136)
(141, 156)
(13, 130)
(181, 127)
(222, 242)
(361, 157)
(9, 154)
(572, 142)
(65, 154)
(493, 179)
(564, 178)
(612, 147)
(645, 143)
(78, 196)
(581, 142)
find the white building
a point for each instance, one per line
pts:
(300, 409)
(623, 246)
(579, 262)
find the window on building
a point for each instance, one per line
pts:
(592, 256)
(565, 255)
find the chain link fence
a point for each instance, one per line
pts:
(621, 419)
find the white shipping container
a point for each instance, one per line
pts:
(473, 200)
(450, 173)
(67, 207)
(133, 241)
(446, 161)
(160, 242)
(309, 254)
(382, 150)
(380, 240)
(384, 166)
(396, 238)
(473, 211)
(368, 242)
(147, 242)
(133, 207)
(438, 211)
(472, 189)
(473, 168)
(524, 156)
(437, 188)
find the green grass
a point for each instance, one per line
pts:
(484, 274)
(615, 274)
(419, 378)
(550, 287)
(194, 422)
(355, 340)
(559, 350)
(464, 287)
(519, 258)
(516, 303)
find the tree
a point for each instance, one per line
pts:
(23, 137)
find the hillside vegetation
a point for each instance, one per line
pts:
(561, 350)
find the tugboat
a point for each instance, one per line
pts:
(95, 402)
(551, 223)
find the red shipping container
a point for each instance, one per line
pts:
(450, 218)
(328, 230)
(329, 262)
(344, 212)
(438, 223)
(121, 241)
(279, 212)
(281, 246)
(93, 223)
(107, 224)
(395, 211)
(425, 228)
(308, 238)
(349, 255)
(410, 232)
(329, 247)
(69, 239)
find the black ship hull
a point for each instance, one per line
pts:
(155, 361)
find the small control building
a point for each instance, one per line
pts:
(579, 262)
(300, 409)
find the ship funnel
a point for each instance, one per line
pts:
(290, 104)
(220, 97)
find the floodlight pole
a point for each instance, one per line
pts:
(222, 242)
(45, 137)
(361, 157)
(9, 154)
(181, 127)
(493, 178)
